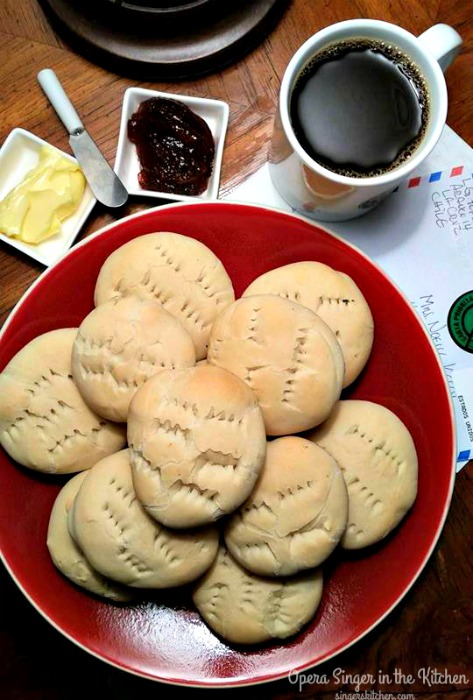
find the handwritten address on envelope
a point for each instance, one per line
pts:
(422, 236)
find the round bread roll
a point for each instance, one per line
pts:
(286, 354)
(197, 444)
(295, 515)
(180, 272)
(67, 556)
(333, 296)
(124, 543)
(247, 609)
(378, 458)
(120, 345)
(44, 422)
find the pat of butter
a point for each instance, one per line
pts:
(48, 194)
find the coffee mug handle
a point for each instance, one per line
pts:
(443, 42)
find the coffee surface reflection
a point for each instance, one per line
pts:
(360, 107)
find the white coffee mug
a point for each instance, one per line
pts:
(313, 190)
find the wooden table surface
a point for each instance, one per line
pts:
(433, 625)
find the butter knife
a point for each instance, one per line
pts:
(104, 182)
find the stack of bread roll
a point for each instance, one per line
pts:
(211, 440)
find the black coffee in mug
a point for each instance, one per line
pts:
(360, 107)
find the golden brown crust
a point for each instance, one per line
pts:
(197, 444)
(247, 609)
(378, 459)
(180, 272)
(124, 543)
(44, 422)
(286, 354)
(67, 556)
(332, 295)
(120, 345)
(296, 514)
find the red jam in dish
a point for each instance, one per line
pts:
(175, 147)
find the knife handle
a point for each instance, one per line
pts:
(55, 93)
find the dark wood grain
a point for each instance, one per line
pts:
(433, 627)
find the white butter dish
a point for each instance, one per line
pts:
(18, 155)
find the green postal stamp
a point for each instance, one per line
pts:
(460, 321)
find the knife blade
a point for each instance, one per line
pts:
(104, 182)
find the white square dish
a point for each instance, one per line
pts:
(127, 166)
(18, 155)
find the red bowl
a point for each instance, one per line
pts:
(163, 638)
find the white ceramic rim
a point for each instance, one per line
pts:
(356, 28)
(280, 676)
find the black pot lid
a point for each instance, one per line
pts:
(163, 40)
